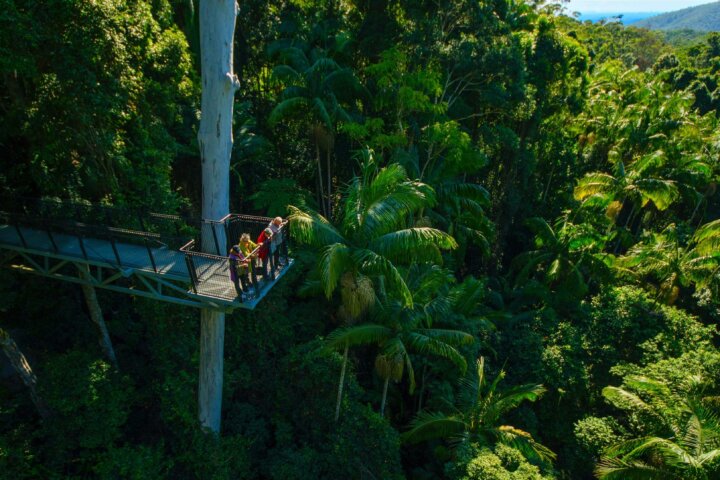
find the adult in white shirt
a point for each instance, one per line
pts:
(276, 240)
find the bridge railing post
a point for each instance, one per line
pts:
(192, 272)
(215, 238)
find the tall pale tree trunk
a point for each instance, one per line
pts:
(219, 83)
(96, 316)
(22, 368)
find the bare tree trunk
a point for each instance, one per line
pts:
(329, 184)
(320, 180)
(97, 317)
(219, 83)
(422, 388)
(384, 397)
(342, 382)
(22, 368)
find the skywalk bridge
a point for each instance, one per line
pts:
(139, 253)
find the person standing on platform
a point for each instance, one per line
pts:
(277, 239)
(236, 260)
(265, 240)
(247, 247)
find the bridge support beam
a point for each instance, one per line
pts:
(96, 315)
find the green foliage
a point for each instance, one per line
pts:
(474, 462)
(90, 404)
(99, 102)
(541, 192)
(274, 196)
(374, 233)
(307, 443)
(136, 463)
(595, 435)
(481, 406)
(627, 326)
(692, 451)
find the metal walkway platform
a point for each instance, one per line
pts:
(141, 260)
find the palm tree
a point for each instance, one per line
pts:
(461, 204)
(316, 87)
(692, 452)
(400, 332)
(658, 147)
(478, 414)
(625, 186)
(373, 235)
(674, 263)
(562, 255)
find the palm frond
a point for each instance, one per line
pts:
(506, 400)
(293, 56)
(321, 113)
(525, 443)
(286, 73)
(334, 261)
(466, 297)
(467, 191)
(646, 384)
(594, 184)
(428, 426)
(707, 238)
(287, 108)
(371, 264)
(389, 212)
(311, 228)
(364, 334)
(421, 343)
(324, 64)
(451, 337)
(623, 399)
(661, 192)
(618, 469)
(419, 243)
(709, 458)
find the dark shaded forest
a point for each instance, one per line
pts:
(505, 223)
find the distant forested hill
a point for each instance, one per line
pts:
(705, 18)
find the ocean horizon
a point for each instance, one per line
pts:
(628, 18)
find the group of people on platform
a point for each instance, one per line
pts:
(270, 242)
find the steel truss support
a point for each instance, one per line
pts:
(108, 277)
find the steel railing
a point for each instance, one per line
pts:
(210, 272)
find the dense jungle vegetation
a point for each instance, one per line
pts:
(506, 226)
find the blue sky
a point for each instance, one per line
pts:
(632, 5)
